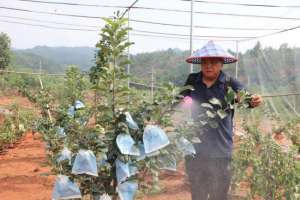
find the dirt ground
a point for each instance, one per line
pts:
(12, 99)
(23, 168)
(24, 173)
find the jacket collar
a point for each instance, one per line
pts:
(221, 78)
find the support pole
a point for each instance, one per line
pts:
(40, 79)
(295, 104)
(42, 87)
(191, 34)
(152, 84)
(128, 50)
(128, 57)
(236, 74)
(237, 62)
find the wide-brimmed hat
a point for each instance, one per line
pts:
(211, 50)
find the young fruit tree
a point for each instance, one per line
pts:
(110, 146)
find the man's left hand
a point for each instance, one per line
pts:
(256, 100)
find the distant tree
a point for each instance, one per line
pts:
(4, 50)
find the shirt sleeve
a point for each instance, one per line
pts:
(237, 85)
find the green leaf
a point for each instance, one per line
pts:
(195, 140)
(242, 95)
(213, 124)
(187, 87)
(211, 114)
(207, 105)
(229, 97)
(203, 122)
(215, 101)
(222, 114)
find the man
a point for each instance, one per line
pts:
(209, 170)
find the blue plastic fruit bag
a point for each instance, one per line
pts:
(154, 138)
(65, 154)
(127, 190)
(65, 189)
(85, 163)
(78, 105)
(131, 123)
(126, 145)
(185, 146)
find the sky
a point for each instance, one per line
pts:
(25, 36)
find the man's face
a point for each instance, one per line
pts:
(211, 67)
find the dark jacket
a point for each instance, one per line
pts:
(215, 142)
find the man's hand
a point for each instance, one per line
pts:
(256, 100)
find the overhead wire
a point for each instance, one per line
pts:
(47, 21)
(135, 83)
(127, 9)
(150, 22)
(134, 20)
(48, 26)
(196, 12)
(143, 21)
(152, 32)
(51, 13)
(160, 34)
(162, 9)
(91, 30)
(270, 34)
(94, 17)
(30, 73)
(246, 4)
(206, 36)
(173, 37)
(196, 26)
(73, 4)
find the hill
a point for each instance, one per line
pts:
(257, 66)
(59, 56)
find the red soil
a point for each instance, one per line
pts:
(25, 175)
(22, 172)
